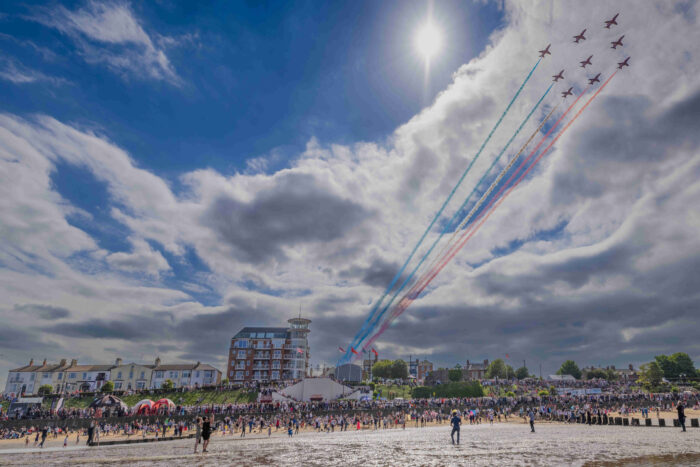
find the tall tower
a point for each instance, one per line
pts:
(298, 335)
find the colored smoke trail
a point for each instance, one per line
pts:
(367, 322)
(411, 296)
(449, 225)
(492, 187)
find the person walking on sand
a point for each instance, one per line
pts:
(681, 415)
(44, 434)
(531, 416)
(198, 433)
(456, 421)
(206, 431)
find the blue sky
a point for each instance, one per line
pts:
(170, 174)
(256, 78)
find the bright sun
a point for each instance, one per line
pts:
(428, 41)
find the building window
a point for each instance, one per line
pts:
(239, 375)
(118, 385)
(84, 376)
(173, 374)
(60, 376)
(143, 374)
(119, 375)
(140, 384)
(159, 374)
(241, 354)
(71, 376)
(275, 375)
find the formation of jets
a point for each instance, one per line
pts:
(582, 37)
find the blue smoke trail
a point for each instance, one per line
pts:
(367, 322)
(457, 213)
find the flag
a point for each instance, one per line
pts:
(341, 350)
(300, 350)
(354, 351)
(375, 352)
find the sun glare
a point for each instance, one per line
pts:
(428, 41)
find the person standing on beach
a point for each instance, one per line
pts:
(198, 433)
(44, 434)
(456, 421)
(531, 416)
(206, 431)
(681, 414)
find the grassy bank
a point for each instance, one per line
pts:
(185, 398)
(392, 391)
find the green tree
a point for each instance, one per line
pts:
(668, 366)
(684, 364)
(107, 387)
(382, 369)
(455, 375)
(570, 367)
(543, 392)
(611, 375)
(498, 369)
(225, 381)
(399, 369)
(167, 384)
(596, 373)
(522, 373)
(45, 390)
(650, 374)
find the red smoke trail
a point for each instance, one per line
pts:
(469, 233)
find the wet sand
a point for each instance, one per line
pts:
(498, 444)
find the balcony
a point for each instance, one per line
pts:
(262, 355)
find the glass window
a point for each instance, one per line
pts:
(71, 376)
(118, 385)
(143, 374)
(140, 384)
(84, 375)
(60, 376)
(119, 375)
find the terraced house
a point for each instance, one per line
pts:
(71, 377)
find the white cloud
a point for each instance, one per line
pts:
(623, 179)
(15, 72)
(110, 33)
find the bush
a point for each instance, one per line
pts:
(543, 392)
(168, 385)
(372, 385)
(45, 390)
(510, 394)
(454, 389)
(107, 387)
(674, 389)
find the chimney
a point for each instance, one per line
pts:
(44, 364)
(157, 361)
(73, 362)
(31, 361)
(63, 362)
(118, 362)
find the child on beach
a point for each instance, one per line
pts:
(65, 441)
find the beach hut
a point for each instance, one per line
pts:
(143, 407)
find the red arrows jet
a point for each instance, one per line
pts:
(624, 63)
(611, 21)
(558, 76)
(580, 37)
(567, 93)
(586, 62)
(594, 79)
(617, 42)
(545, 51)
